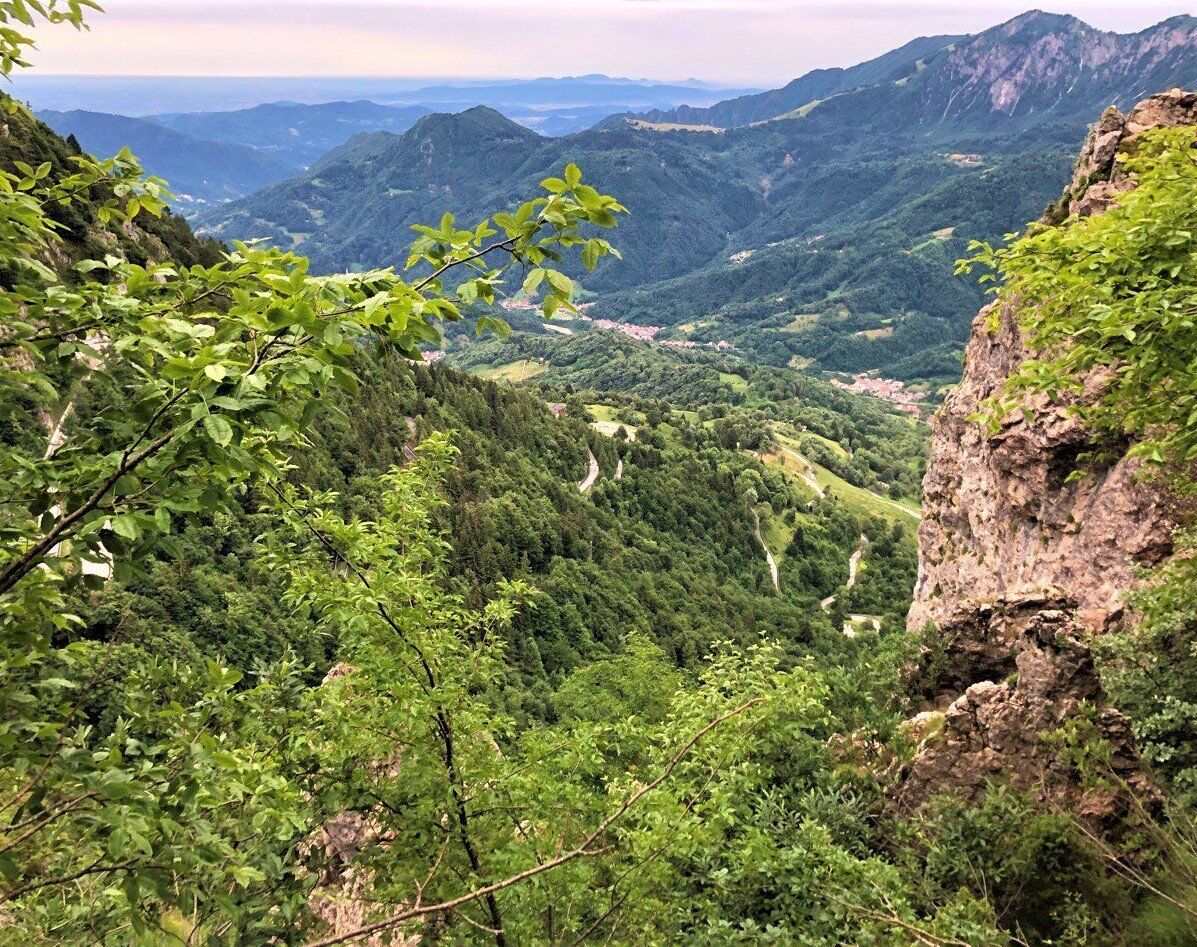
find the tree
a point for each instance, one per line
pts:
(143, 396)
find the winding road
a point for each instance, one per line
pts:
(807, 474)
(768, 555)
(853, 569)
(592, 476)
(854, 560)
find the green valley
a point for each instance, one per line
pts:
(641, 536)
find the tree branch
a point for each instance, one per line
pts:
(507, 244)
(581, 850)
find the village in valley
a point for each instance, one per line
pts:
(909, 401)
(641, 333)
(906, 400)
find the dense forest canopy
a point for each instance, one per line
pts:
(305, 641)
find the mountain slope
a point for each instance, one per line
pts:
(826, 235)
(147, 238)
(356, 205)
(295, 132)
(806, 89)
(199, 172)
(1035, 69)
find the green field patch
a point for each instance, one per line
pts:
(865, 500)
(606, 422)
(801, 321)
(797, 469)
(735, 382)
(825, 441)
(801, 470)
(776, 534)
(513, 372)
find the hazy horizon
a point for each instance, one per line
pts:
(736, 43)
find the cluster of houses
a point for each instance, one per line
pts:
(641, 333)
(887, 389)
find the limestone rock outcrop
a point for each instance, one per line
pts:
(1032, 537)
(1097, 177)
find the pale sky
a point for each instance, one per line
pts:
(750, 42)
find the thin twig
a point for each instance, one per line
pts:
(581, 850)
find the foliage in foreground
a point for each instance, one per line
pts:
(736, 805)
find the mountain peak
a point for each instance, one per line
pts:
(1035, 24)
(1173, 22)
(481, 120)
(1044, 18)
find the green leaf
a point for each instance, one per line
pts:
(560, 282)
(218, 429)
(533, 280)
(125, 525)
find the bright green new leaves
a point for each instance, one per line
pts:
(1118, 291)
(144, 396)
(409, 729)
(536, 236)
(27, 13)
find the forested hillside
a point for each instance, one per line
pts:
(314, 633)
(666, 554)
(81, 232)
(823, 235)
(857, 439)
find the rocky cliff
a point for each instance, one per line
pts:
(1042, 61)
(1032, 538)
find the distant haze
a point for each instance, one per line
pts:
(742, 42)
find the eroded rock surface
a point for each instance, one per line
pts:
(1021, 563)
(1098, 177)
(1024, 694)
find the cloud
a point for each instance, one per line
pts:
(760, 42)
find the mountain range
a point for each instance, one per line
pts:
(213, 159)
(1034, 67)
(814, 225)
(200, 171)
(296, 133)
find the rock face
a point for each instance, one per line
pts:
(1020, 564)
(1097, 179)
(1023, 673)
(1040, 61)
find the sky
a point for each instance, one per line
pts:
(734, 42)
